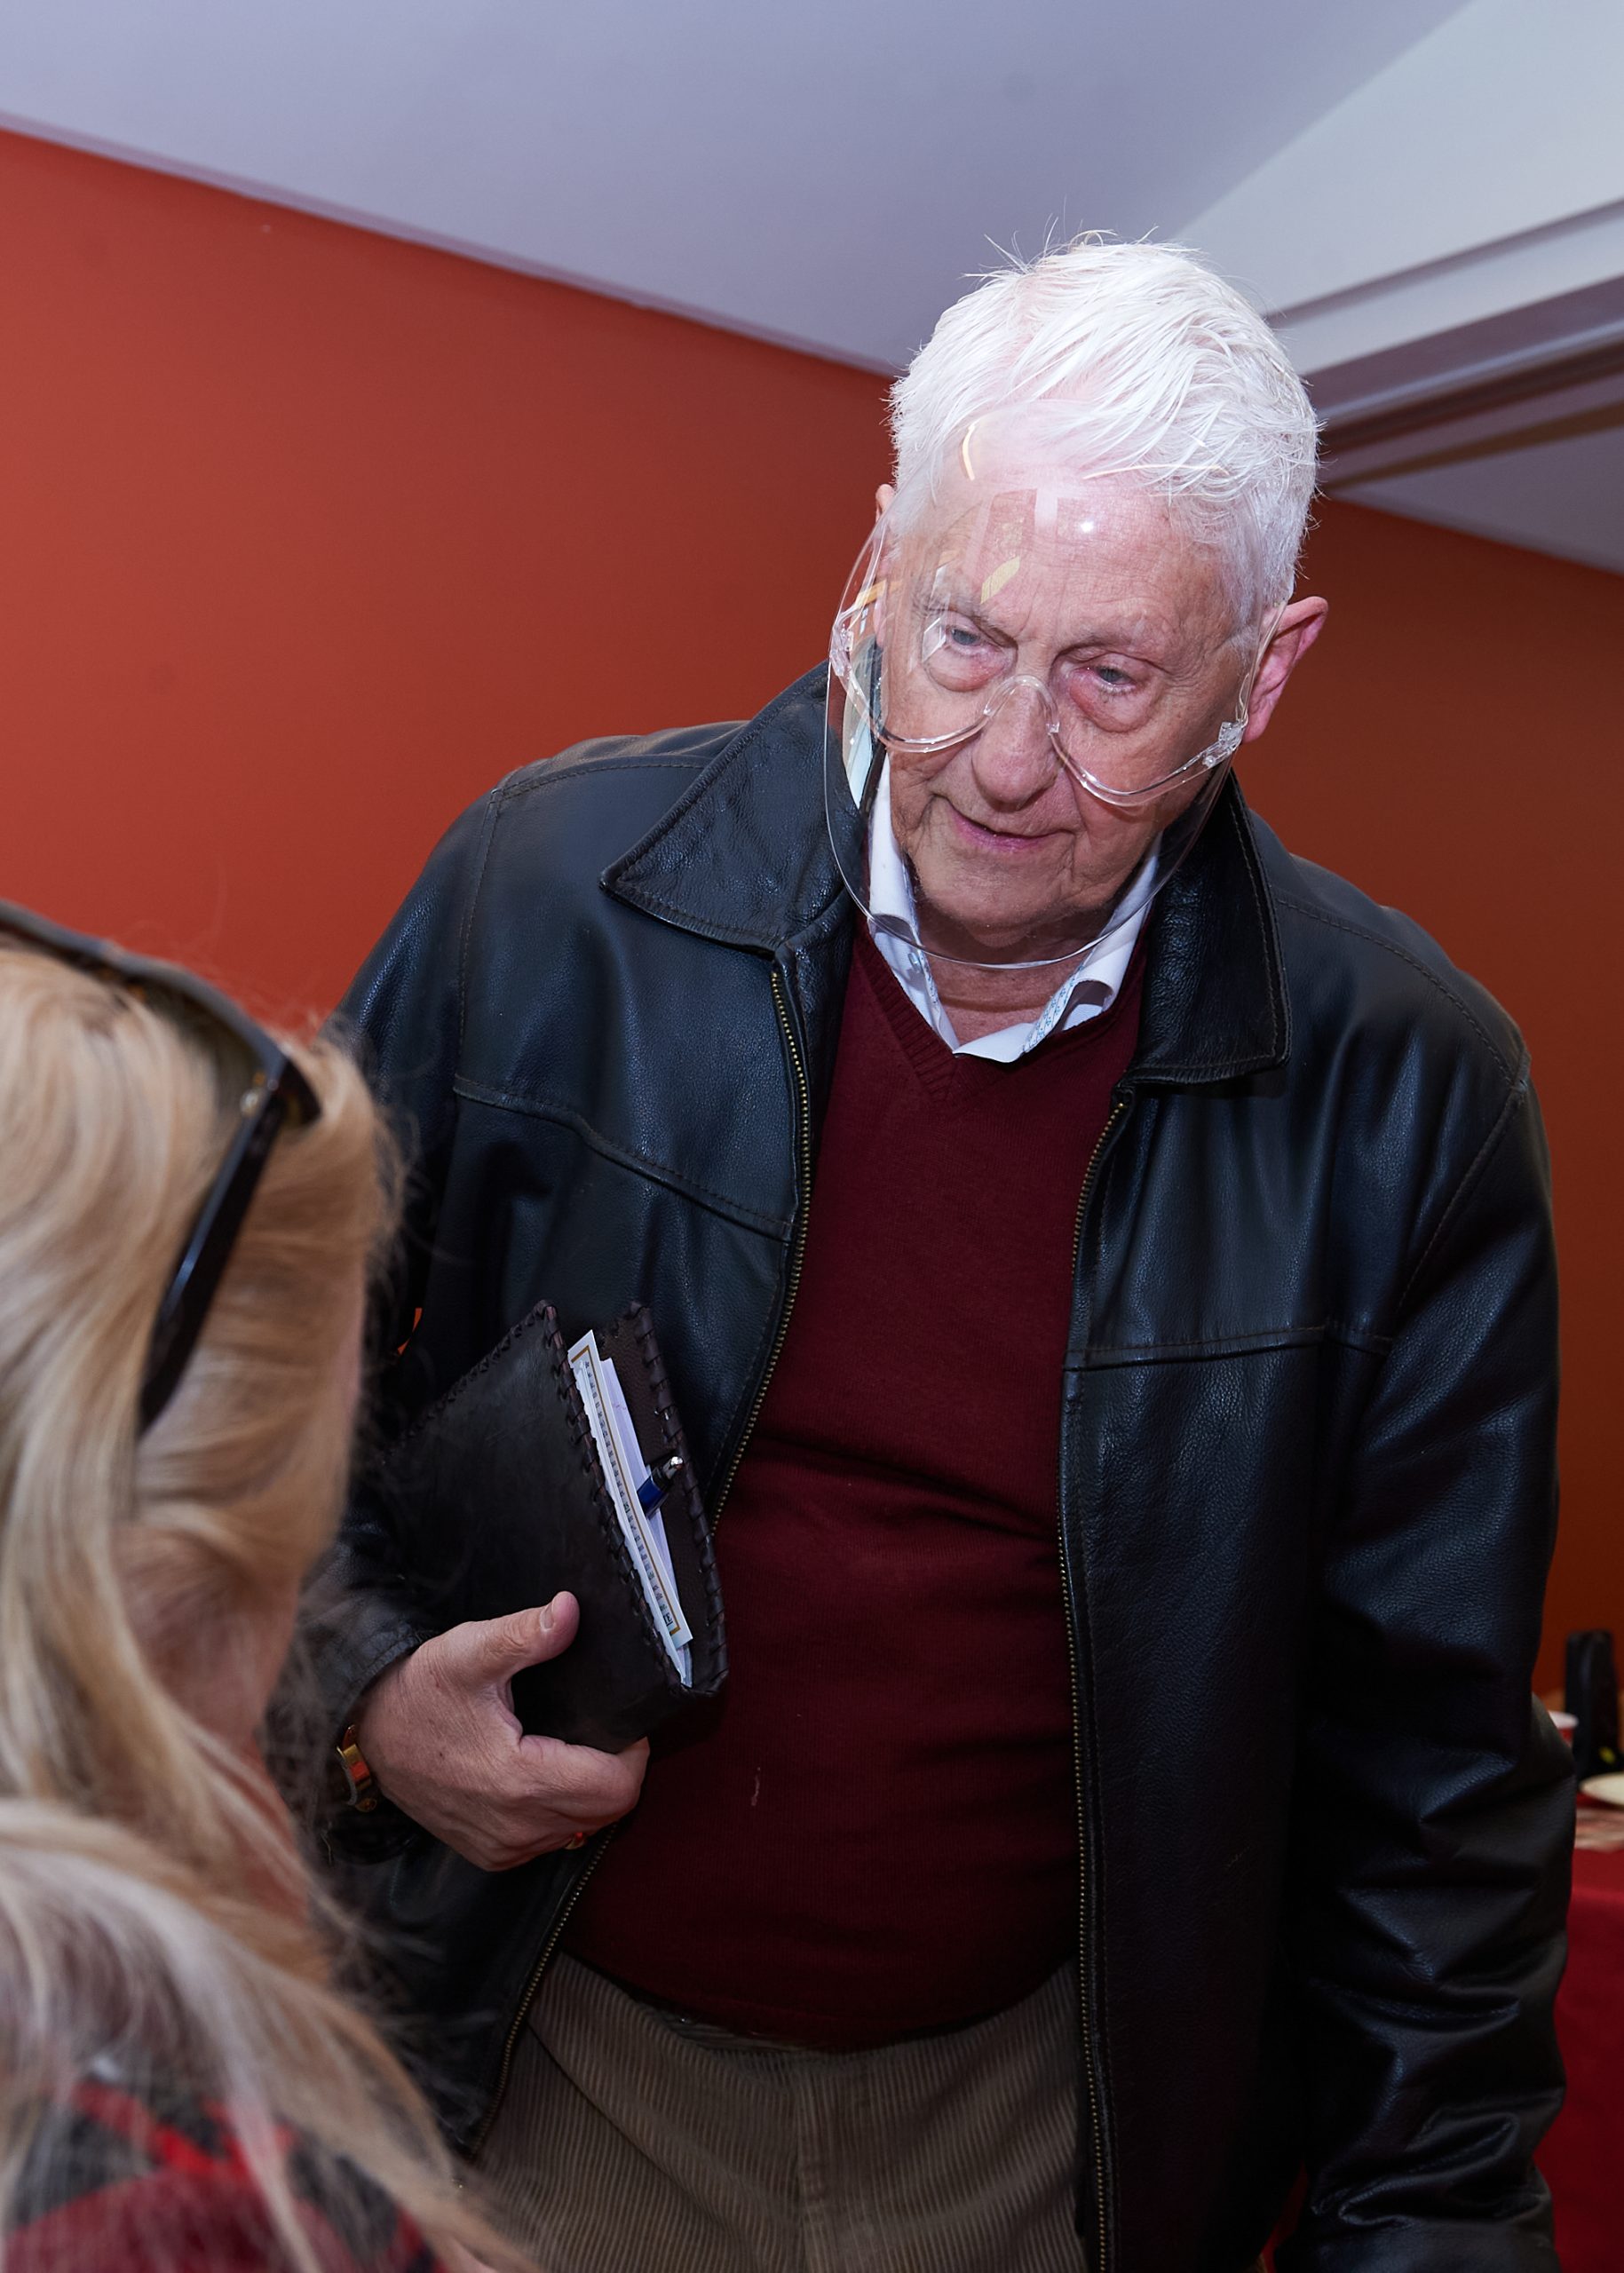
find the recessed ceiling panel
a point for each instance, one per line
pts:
(1563, 496)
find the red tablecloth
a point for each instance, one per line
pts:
(1583, 2159)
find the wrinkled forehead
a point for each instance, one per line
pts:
(1065, 563)
(1008, 513)
(1013, 526)
(1032, 531)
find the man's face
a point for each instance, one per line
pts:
(1093, 589)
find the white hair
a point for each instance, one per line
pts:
(1166, 373)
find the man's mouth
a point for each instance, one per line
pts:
(1008, 844)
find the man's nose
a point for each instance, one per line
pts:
(1014, 756)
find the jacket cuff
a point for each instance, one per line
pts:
(355, 1635)
(1423, 2246)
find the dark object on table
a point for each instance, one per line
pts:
(498, 1499)
(1591, 1696)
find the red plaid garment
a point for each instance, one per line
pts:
(113, 2183)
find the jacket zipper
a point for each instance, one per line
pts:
(1091, 2081)
(797, 1256)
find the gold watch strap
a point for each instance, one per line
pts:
(362, 1782)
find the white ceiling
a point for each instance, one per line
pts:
(822, 174)
(828, 176)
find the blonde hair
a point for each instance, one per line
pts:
(157, 1920)
(1164, 371)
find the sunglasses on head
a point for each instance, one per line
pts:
(273, 1091)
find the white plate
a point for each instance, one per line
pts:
(1608, 1789)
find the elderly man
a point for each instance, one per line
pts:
(1104, 1264)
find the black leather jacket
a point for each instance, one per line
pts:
(1306, 1472)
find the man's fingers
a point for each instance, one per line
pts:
(443, 1741)
(492, 1650)
(599, 1785)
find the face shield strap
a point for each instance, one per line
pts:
(868, 762)
(1096, 976)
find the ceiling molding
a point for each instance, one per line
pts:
(1443, 257)
(1555, 360)
(1461, 447)
(1542, 265)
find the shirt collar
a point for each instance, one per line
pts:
(1085, 993)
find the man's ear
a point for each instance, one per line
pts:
(1299, 626)
(882, 496)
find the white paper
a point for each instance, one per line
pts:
(637, 1469)
(600, 1394)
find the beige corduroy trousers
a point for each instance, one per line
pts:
(632, 2141)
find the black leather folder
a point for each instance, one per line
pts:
(497, 1500)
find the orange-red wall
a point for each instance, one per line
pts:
(307, 535)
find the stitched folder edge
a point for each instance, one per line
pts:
(635, 1316)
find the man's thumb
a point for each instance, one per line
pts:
(494, 1649)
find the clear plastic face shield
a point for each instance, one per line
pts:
(1037, 682)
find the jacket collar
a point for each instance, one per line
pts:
(744, 856)
(1215, 1005)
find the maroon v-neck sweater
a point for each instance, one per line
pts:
(877, 1833)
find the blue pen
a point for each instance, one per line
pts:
(658, 1482)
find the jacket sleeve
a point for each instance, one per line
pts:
(403, 1017)
(1433, 1825)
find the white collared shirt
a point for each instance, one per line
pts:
(1083, 993)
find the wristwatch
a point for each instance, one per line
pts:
(361, 1785)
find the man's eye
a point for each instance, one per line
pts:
(1117, 681)
(960, 645)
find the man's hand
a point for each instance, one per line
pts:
(439, 1732)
